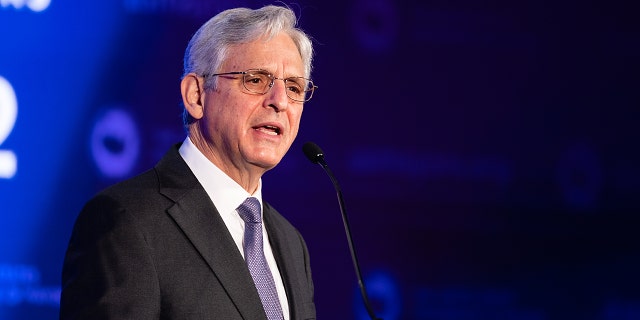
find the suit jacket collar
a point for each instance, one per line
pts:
(198, 218)
(281, 250)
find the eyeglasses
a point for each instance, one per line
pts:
(261, 81)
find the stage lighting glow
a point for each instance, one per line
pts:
(384, 293)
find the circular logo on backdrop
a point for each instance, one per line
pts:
(115, 143)
(375, 24)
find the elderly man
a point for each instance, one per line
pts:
(192, 238)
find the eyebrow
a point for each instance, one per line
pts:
(273, 73)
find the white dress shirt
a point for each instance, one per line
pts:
(227, 195)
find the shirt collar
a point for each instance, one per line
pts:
(225, 193)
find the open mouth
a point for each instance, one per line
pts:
(270, 130)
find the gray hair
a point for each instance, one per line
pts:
(208, 47)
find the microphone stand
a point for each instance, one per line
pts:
(319, 159)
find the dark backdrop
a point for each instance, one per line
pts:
(488, 152)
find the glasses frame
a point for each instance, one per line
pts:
(310, 85)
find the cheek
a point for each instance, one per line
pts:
(296, 116)
(213, 117)
(221, 111)
(294, 120)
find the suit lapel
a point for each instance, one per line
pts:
(283, 256)
(198, 218)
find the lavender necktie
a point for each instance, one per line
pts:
(249, 211)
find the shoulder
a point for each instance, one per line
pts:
(135, 204)
(126, 193)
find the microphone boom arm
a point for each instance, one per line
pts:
(319, 159)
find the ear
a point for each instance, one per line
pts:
(192, 94)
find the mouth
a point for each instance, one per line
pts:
(269, 129)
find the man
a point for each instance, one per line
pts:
(172, 243)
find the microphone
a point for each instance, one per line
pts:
(316, 156)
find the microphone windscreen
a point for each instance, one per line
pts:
(313, 152)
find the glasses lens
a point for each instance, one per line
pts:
(299, 88)
(257, 81)
(296, 88)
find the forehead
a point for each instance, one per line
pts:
(278, 55)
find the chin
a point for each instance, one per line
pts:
(266, 162)
(266, 158)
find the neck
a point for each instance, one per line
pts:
(247, 176)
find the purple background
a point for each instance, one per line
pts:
(488, 153)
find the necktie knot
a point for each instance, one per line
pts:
(249, 210)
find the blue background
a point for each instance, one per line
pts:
(488, 153)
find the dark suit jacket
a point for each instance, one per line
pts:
(155, 247)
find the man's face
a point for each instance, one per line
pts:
(249, 131)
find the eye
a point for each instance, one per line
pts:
(295, 89)
(296, 85)
(255, 78)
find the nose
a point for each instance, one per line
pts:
(277, 96)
